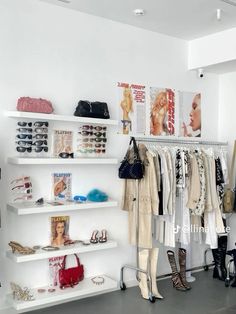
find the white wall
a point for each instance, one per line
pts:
(62, 55)
(227, 127)
(212, 49)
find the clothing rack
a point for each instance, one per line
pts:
(164, 141)
(179, 141)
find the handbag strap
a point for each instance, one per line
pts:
(232, 166)
(63, 265)
(136, 151)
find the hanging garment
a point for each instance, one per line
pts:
(146, 199)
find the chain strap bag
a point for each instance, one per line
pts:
(131, 169)
(70, 277)
(229, 194)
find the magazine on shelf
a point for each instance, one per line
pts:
(59, 230)
(62, 142)
(61, 190)
(55, 264)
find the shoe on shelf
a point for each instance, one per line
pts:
(17, 247)
(94, 237)
(103, 237)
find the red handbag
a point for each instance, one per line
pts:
(71, 276)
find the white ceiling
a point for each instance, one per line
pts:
(186, 19)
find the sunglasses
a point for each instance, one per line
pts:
(21, 149)
(41, 130)
(40, 136)
(24, 136)
(100, 145)
(23, 197)
(66, 155)
(98, 151)
(99, 134)
(85, 133)
(24, 191)
(25, 185)
(26, 130)
(25, 124)
(86, 145)
(40, 123)
(39, 149)
(40, 143)
(86, 150)
(87, 139)
(23, 143)
(97, 139)
(20, 179)
(91, 127)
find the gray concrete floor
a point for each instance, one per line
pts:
(207, 296)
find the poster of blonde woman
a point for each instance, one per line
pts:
(190, 114)
(132, 108)
(162, 111)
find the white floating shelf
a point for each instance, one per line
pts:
(84, 289)
(61, 161)
(64, 250)
(55, 117)
(28, 208)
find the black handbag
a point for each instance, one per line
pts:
(92, 109)
(131, 169)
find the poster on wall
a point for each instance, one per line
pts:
(190, 114)
(132, 108)
(162, 111)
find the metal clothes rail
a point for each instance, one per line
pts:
(161, 141)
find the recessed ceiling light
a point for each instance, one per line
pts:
(65, 1)
(232, 2)
(139, 12)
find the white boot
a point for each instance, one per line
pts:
(143, 264)
(153, 272)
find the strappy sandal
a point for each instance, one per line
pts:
(94, 238)
(103, 237)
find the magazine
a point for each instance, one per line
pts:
(59, 230)
(131, 108)
(62, 142)
(162, 111)
(55, 264)
(61, 186)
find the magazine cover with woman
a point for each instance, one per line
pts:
(162, 115)
(61, 186)
(59, 230)
(62, 142)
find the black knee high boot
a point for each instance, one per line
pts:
(219, 255)
(233, 254)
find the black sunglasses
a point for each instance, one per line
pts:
(21, 149)
(40, 123)
(27, 130)
(97, 139)
(99, 134)
(41, 130)
(24, 143)
(85, 133)
(24, 136)
(40, 136)
(39, 149)
(66, 155)
(40, 143)
(100, 145)
(24, 123)
(91, 127)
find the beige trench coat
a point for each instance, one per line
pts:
(147, 202)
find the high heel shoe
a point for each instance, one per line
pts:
(17, 247)
(94, 238)
(103, 237)
(21, 294)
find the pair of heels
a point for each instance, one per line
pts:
(17, 247)
(101, 239)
